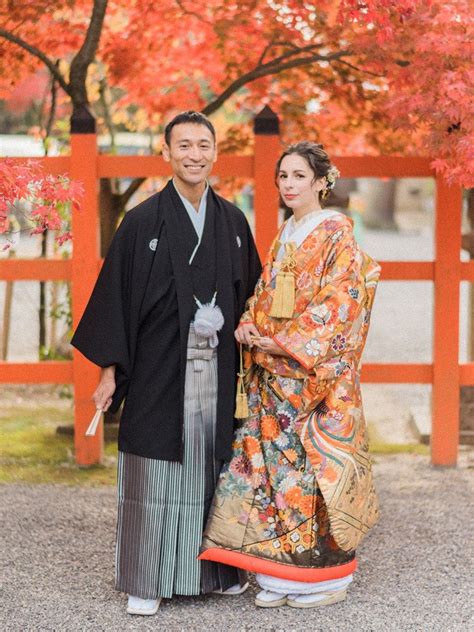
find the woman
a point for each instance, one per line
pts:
(297, 496)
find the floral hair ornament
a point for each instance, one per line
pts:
(331, 178)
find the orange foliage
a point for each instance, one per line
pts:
(384, 75)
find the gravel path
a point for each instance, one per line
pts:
(414, 574)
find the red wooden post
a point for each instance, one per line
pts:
(267, 151)
(84, 273)
(445, 417)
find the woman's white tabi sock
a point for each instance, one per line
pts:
(289, 587)
(268, 599)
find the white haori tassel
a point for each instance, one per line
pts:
(208, 320)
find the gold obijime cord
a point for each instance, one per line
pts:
(283, 304)
(241, 402)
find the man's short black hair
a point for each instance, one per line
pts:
(190, 116)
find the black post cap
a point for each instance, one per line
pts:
(82, 121)
(266, 123)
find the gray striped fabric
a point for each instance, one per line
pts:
(163, 505)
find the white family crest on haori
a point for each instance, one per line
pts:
(239, 241)
(153, 244)
(208, 320)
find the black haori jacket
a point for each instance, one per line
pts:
(141, 307)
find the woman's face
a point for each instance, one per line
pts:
(298, 187)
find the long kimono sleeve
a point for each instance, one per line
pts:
(254, 270)
(249, 315)
(103, 334)
(330, 326)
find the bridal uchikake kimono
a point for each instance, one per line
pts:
(297, 496)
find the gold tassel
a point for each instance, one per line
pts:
(283, 304)
(241, 402)
(241, 406)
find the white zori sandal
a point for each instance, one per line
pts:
(268, 599)
(145, 607)
(316, 599)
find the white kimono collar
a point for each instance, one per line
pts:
(298, 233)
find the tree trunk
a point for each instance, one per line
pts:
(42, 300)
(7, 314)
(467, 392)
(381, 204)
(111, 207)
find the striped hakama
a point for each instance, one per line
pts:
(163, 505)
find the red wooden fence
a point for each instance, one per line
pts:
(447, 271)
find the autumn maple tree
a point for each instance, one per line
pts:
(364, 77)
(46, 201)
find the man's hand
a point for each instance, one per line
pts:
(268, 345)
(245, 334)
(103, 393)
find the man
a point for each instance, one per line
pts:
(181, 248)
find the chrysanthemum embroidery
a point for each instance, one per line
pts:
(284, 421)
(257, 460)
(313, 348)
(288, 483)
(241, 465)
(338, 343)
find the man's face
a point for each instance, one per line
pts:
(191, 153)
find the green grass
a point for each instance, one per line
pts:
(32, 452)
(378, 446)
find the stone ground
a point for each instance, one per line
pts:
(415, 569)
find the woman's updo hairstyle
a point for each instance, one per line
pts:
(318, 161)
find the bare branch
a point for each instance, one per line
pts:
(194, 14)
(54, 70)
(106, 111)
(293, 52)
(363, 70)
(270, 68)
(264, 52)
(52, 112)
(131, 189)
(85, 56)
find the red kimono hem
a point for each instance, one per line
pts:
(283, 571)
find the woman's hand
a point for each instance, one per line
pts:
(268, 345)
(245, 334)
(103, 393)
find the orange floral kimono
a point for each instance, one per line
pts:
(297, 496)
